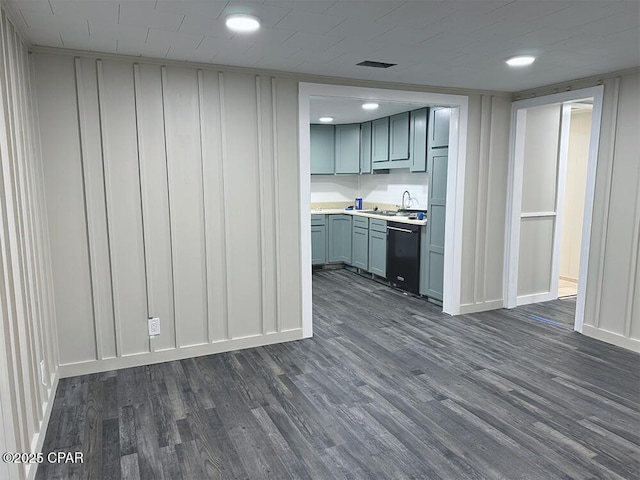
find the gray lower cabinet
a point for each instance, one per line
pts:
(347, 145)
(322, 149)
(378, 247)
(318, 239)
(360, 255)
(340, 238)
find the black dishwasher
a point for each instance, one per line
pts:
(403, 256)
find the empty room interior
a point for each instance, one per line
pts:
(319, 239)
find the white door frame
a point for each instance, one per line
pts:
(455, 182)
(514, 198)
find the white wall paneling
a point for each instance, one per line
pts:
(171, 185)
(27, 319)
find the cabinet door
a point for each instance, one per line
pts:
(418, 145)
(439, 127)
(399, 136)
(365, 147)
(378, 253)
(380, 140)
(436, 212)
(347, 144)
(360, 257)
(322, 149)
(340, 237)
(318, 245)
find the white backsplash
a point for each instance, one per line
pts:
(388, 188)
(379, 188)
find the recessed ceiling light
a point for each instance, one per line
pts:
(521, 61)
(326, 119)
(243, 23)
(370, 106)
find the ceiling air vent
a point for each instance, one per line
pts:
(369, 63)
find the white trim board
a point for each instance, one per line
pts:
(146, 358)
(612, 338)
(514, 194)
(38, 440)
(455, 181)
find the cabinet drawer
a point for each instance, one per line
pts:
(378, 225)
(318, 220)
(362, 222)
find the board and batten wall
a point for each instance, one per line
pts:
(171, 192)
(28, 350)
(612, 301)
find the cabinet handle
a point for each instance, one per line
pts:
(400, 229)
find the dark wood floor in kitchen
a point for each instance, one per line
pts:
(389, 387)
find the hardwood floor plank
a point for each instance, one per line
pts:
(389, 387)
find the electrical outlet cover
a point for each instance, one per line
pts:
(154, 326)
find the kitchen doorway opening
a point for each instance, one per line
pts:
(553, 156)
(458, 105)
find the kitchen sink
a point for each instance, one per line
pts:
(385, 213)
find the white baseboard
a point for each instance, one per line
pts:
(38, 439)
(96, 366)
(612, 338)
(569, 279)
(535, 298)
(481, 306)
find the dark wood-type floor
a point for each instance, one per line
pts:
(389, 387)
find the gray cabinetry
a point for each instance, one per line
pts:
(322, 149)
(378, 247)
(418, 140)
(399, 136)
(340, 237)
(318, 240)
(360, 255)
(380, 140)
(347, 148)
(365, 147)
(436, 211)
(439, 127)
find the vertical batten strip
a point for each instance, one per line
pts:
(261, 244)
(108, 206)
(607, 200)
(203, 155)
(483, 156)
(24, 327)
(34, 336)
(163, 78)
(487, 198)
(223, 144)
(88, 209)
(628, 314)
(144, 198)
(276, 206)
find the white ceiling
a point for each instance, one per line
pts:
(448, 43)
(349, 110)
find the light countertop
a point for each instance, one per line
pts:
(360, 213)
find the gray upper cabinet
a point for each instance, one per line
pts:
(418, 140)
(399, 136)
(439, 127)
(347, 148)
(322, 149)
(365, 147)
(340, 237)
(380, 140)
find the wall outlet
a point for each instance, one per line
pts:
(154, 326)
(43, 375)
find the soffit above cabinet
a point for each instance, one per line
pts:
(452, 44)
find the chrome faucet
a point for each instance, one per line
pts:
(406, 192)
